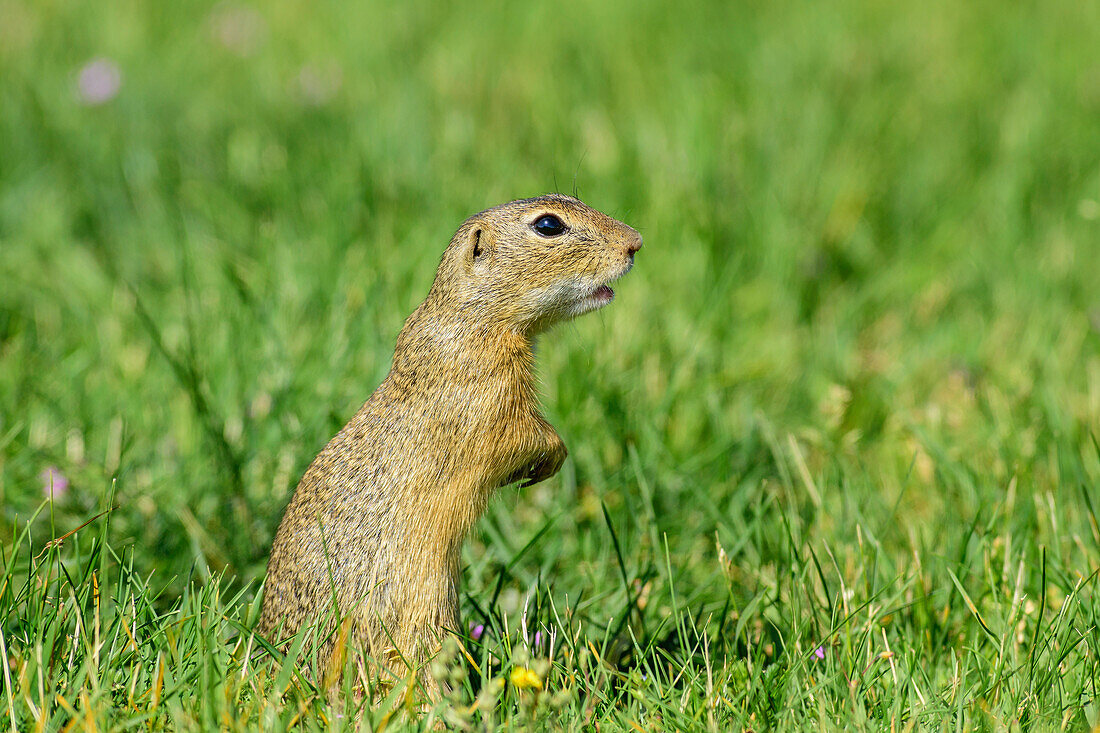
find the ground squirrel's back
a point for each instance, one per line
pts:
(378, 519)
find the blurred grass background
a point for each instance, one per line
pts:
(860, 350)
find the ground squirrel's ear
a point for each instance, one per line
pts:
(475, 248)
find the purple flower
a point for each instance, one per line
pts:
(819, 652)
(476, 631)
(98, 82)
(54, 483)
(538, 638)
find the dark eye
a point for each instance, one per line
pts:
(549, 225)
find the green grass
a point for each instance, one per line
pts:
(834, 448)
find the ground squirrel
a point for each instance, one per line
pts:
(378, 519)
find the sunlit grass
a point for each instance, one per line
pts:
(833, 449)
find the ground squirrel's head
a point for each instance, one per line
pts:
(534, 262)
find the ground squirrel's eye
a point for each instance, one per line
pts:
(549, 225)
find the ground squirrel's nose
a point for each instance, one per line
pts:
(634, 244)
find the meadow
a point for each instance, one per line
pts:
(834, 449)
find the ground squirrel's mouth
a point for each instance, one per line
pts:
(604, 294)
(595, 299)
(600, 295)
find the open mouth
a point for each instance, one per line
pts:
(597, 299)
(603, 294)
(594, 300)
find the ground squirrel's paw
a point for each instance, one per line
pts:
(546, 466)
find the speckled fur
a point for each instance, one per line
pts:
(379, 517)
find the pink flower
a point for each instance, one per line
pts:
(819, 652)
(240, 29)
(318, 84)
(476, 631)
(98, 82)
(538, 638)
(54, 483)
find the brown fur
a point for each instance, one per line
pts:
(380, 515)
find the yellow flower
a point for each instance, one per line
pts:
(525, 678)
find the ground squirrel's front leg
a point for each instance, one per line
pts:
(543, 462)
